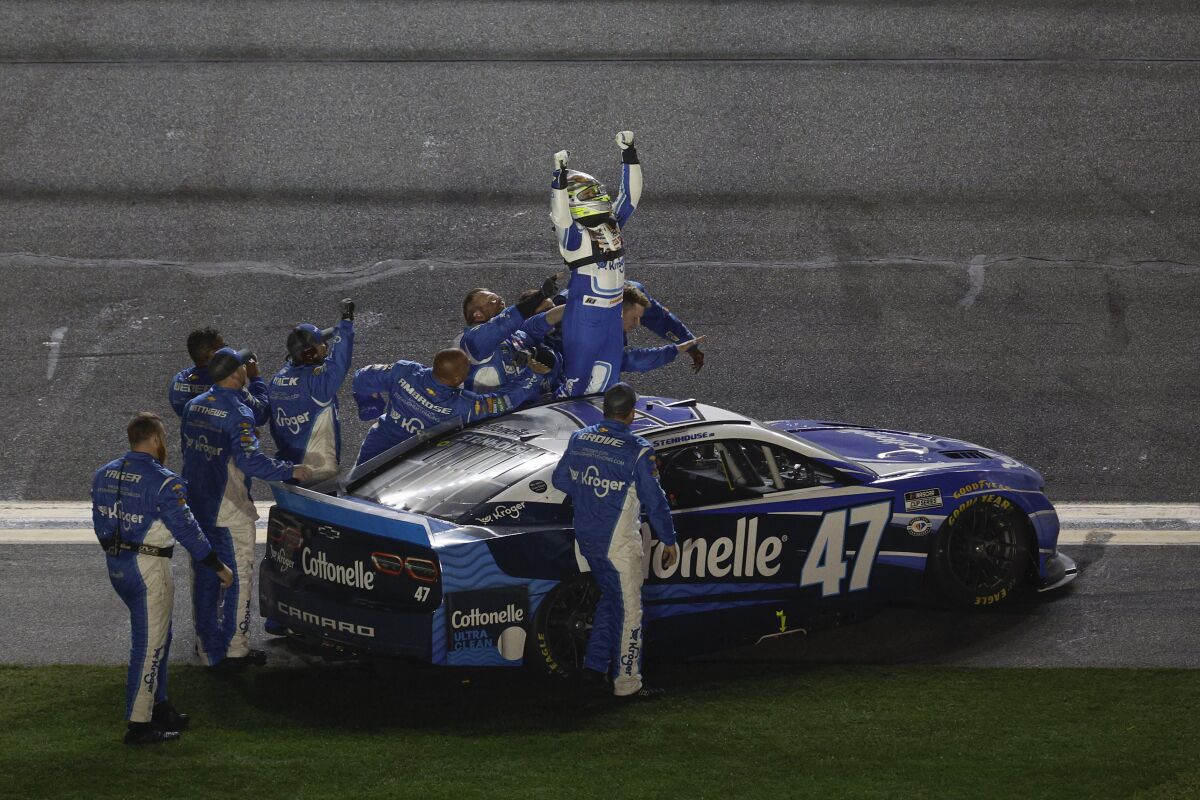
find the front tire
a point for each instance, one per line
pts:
(562, 626)
(982, 553)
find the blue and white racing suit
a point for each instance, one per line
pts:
(407, 399)
(220, 454)
(592, 333)
(304, 407)
(139, 511)
(491, 346)
(633, 359)
(194, 381)
(610, 475)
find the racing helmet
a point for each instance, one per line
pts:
(587, 196)
(303, 340)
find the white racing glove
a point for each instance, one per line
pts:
(560, 158)
(625, 140)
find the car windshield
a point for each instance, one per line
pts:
(450, 476)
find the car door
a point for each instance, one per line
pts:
(766, 534)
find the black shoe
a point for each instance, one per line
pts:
(593, 679)
(167, 718)
(147, 733)
(645, 693)
(274, 628)
(255, 658)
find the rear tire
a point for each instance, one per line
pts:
(562, 626)
(982, 553)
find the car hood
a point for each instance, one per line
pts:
(889, 452)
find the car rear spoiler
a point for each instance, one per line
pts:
(349, 512)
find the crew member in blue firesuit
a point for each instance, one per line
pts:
(303, 395)
(495, 335)
(588, 226)
(408, 398)
(656, 318)
(610, 474)
(636, 306)
(139, 511)
(659, 320)
(220, 455)
(194, 380)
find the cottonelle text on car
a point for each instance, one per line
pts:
(455, 549)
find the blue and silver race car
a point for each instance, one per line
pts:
(454, 548)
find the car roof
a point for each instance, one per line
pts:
(550, 425)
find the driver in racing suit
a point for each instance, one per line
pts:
(139, 511)
(588, 227)
(408, 397)
(610, 474)
(303, 395)
(220, 454)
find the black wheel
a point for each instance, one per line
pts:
(982, 552)
(562, 626)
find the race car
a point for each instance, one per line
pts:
(455, 549)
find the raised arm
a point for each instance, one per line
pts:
(631, 179)
(327, 378)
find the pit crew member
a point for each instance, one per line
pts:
(408, 397)
(303, 395)
(195, 380)
(495, 333)
(659, 320)
(220, 454)
(139, 511)
(610, 475)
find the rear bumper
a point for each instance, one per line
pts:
(385, 632)
(1058, 571)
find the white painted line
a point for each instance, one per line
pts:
(1124, 536)
(1110, 524)
(72, 536)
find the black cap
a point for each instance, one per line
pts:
(225, 362)
(304, 336)
(619, 400)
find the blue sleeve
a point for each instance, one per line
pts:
(644, 359)
(250, 458)
(562, 476)
(537, 327)
(172, 509)
(481, 340)
(507, 398)
(256, 399)
(624, 207)
(658, 319)
(367, 383)
(654, 499)
(177, 398)
(99, 521)
(329, 376)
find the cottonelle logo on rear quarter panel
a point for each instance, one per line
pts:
(341, 563)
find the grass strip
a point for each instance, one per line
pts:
(746, 730)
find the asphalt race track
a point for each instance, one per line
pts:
(970, 218)
(1134, 605)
